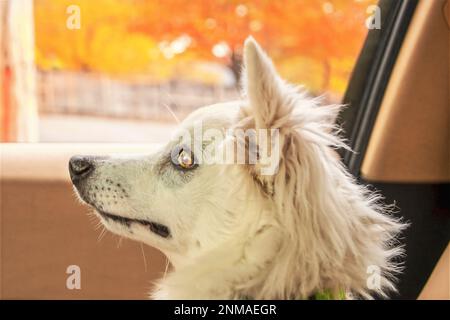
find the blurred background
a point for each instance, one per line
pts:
(125, 70)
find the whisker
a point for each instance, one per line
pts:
(165, 105)
(102, 234)
(143, 255)
(167, 268)
(119, 242)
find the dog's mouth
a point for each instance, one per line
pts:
(157, 228)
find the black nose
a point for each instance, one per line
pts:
(80, 167)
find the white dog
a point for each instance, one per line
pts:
(285, 227)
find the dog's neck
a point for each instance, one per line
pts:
(235, 269)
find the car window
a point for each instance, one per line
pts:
(128, 71)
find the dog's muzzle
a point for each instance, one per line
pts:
(83, 167)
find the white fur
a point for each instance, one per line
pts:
(237, 233)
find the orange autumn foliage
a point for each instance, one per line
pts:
(314, 42)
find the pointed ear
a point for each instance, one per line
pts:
(265, 90)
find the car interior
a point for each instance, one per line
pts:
(403, 151)
(396, 120)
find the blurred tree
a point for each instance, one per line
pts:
(313, 42)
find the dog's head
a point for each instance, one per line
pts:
(256, 173)
(182, 199)
(171, 198)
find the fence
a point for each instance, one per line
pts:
(97, 95)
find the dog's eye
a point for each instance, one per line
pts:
(185, 159)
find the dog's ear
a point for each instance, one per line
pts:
(265, 90)
(269, 109)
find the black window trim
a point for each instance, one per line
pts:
(370, 78)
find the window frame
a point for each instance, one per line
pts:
(370, 78)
